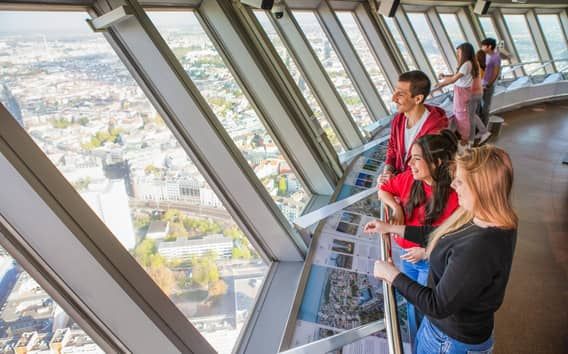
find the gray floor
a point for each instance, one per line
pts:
(534, 316)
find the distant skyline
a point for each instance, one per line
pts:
(72, 23)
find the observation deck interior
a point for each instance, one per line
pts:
(168, 167)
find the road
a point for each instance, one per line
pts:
(195, 210)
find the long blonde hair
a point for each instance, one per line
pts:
(488, 172)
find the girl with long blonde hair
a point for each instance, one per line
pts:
(470, 257)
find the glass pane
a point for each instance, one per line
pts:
(428, 42)
(330, 61)
(488, 27)
(554, 37)
(395, 32)
(361, 46)
(522, 39)
(453, 28)
(84, 110)
(206, 68)
(31, 322)
(270, 31)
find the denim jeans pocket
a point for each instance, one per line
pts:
(486, 351)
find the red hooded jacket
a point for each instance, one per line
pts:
(396, 155)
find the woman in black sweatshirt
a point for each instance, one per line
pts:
(470, 258)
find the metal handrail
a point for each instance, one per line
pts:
(510, 68)
(540, 67)
(339, 340)
(391, 314)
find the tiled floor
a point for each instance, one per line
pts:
(534, 316)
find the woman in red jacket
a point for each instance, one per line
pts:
(420, 196)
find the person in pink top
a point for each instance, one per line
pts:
(462, 80)
(478, 129)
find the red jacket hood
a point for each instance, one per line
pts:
(436, 122)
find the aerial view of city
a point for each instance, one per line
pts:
(75, 98)
(69, 90)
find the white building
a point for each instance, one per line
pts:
(110, 202)
(158, 230)
(183, 248)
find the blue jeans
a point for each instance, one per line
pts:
(430, 340)
(418, 272)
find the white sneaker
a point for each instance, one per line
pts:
(462, 148)
(484, 137)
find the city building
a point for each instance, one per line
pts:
(110, 202)
(158, 230)
(185, 248)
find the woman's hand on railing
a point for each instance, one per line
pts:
(414, 254)
(385, 270)
(384, 177)
(377, 226)
(397, 216)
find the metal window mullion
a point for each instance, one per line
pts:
(467, 23)
(564, 23)
(441, 35)
(538, 39)
(289, 89)
(273, 312)
(34, 190)
(327, 95)
(378, 44)
(33, 264)
(407, 31)
(219, 19)
(351, 61)
(503, 30)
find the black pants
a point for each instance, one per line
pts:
(486, 103)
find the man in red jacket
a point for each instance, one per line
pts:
(413, 120)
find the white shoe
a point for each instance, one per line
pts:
(484, 137)
(462, 148)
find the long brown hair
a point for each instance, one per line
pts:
(468, 54)
(437, 150)
(488, 172)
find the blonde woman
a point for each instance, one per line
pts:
(470, 258)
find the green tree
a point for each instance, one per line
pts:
(144, 252)
(218, 288)
(83, 121)
(151, 169)
(204, 269)
(176, 230)
(241, 253)
(82, 184)
(141, 221)
(60, 123)
(283, 186)
(163, 276)
(173, 215)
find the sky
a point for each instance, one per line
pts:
(71, 22)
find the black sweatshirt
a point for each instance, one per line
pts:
(469, 270)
